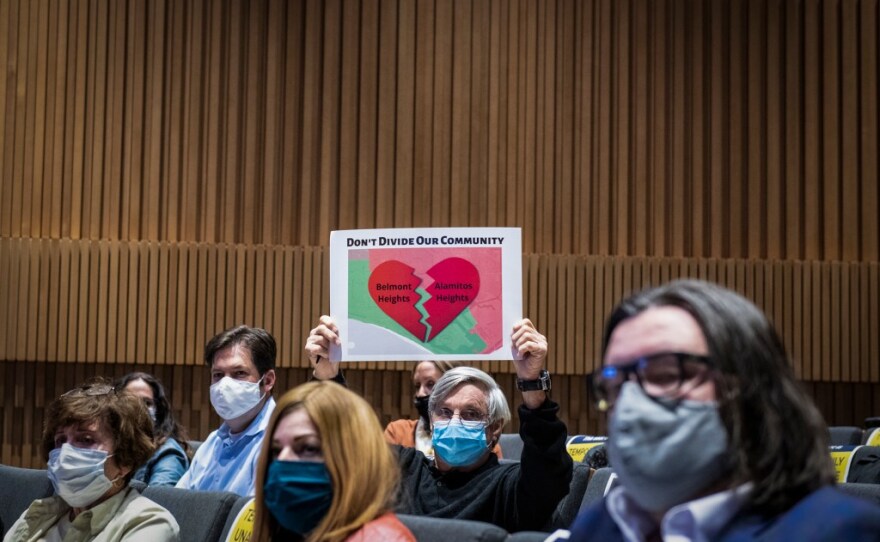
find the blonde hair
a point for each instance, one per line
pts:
(362, 467)
(441, 365)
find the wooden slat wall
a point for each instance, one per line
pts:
(169, 168)
(741, 129)
(61, 304)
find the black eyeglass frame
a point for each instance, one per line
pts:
(604, 399)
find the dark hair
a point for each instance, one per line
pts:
(122, 414)
(257, 341)
(165, 426)
(778, 439)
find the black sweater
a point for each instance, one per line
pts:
(516, 497)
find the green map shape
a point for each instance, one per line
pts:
(455, 339)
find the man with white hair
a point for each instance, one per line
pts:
(464, 480)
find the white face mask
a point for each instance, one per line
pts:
(77, 474)
(231, 398)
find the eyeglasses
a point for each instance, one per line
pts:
(661, 376)
(90, 390)
(444, 414)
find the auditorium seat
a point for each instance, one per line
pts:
(869, 492)
(845, 435)
(202, 515)
(18, 489)
(865, 466)
(426, 529)
(511, 445)
(597, 488)
(237, 507)
(570, 505)
(530, 536)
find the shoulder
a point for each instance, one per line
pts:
(401, 432)
(39, 515)
(386, 528)
(596, 522)
(826, 514)
(170, 448)
(139, 518)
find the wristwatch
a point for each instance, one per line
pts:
(541, 384)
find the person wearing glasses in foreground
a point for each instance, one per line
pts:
(711, 436)
(464, 479)
(94, 440)
(325, 473)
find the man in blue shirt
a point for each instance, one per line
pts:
(242, 362)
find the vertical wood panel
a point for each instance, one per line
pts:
(169, 169)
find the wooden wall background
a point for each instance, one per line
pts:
(170, 168)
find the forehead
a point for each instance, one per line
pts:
(233, 357)
(426, 370)
(465, 395)
(655, 330)
(93, 426)
(140, 388)
(294, 425)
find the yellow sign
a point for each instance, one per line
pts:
(243, 527)
(842, 457)
(578, 446)
(873, 437)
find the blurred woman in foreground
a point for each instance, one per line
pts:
(326, 473)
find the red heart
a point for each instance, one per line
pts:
(456, 285)
(393, 285)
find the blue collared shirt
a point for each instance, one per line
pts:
(695, 521)
(227, 462)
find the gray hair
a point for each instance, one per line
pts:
(451, 379)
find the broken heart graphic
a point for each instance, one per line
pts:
(393, 286)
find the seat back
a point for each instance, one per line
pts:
(843, 435)
(427, 529)
(511, 445)
(202, 515)
(18, 489)
(529, 536)
(600, 483)
(246, 525)
(570, 505)
(869, 492)
(865, 466)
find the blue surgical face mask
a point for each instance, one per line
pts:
(459, 443)
(77, 474)
(298, 494)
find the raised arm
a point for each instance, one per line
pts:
(318, 348)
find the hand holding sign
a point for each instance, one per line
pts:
(318, 347)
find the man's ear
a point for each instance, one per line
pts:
(269, 380)
(495, 431)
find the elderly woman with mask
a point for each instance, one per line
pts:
(94, 440)
(711, 436)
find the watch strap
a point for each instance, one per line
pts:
(542, 383)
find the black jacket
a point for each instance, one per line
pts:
(516, 497)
